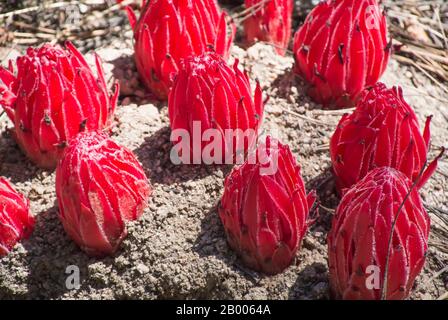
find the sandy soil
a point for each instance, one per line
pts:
(178, 248)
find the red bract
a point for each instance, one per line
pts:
(208, 94)
(99, 186)
(382, 131)
(170, 30)
(16, 221)
(269, 20)
(358, 243)
(53, 97)
(265, 208)
(341, 49)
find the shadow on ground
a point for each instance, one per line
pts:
(14, 165)
(50, 256)
(311, 283)
(328, 200)
(154, 155)
(212, 233)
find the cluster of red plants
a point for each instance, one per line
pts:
(379, 159)
(54, 96)
(341, 49)
(168, 31)
(62, 113)
(378, 152)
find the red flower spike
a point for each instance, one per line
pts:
(341, 49)
(53, 97)
(100, 186)
(16, 221)
(170, 30)
(265, 213)
(209, 92)
(270, 21)
(358, 241)
(382, 131)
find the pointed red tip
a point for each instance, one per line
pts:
(131, 16)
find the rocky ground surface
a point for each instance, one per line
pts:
(178, 248)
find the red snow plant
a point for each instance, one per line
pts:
(53, 96)
(269, 20)
(383, 130)
(16, 221)
(100, 186)
(341, 49)
(379, 238)
(265, 208)
(170, 30)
